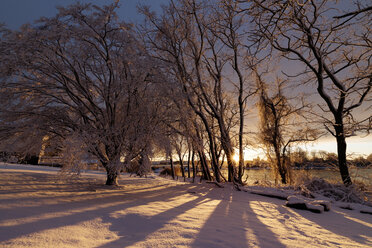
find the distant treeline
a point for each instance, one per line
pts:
(14, 157)
(301, 159)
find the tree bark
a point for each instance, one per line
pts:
(204, 165)
(230, 167)
(112, 174)
(181, 164)
(112, 179)
(228, 149)
(172, 168)
(282, 171)
(212, 149)
(241, 153)
(188, 164)
(341, 152)
(280, 163)
(193, 166)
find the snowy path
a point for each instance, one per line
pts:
(39, 209)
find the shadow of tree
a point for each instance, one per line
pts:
(338, 223)
(73, 210)
(142, 226)
(232, 222)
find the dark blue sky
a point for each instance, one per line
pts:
(14, 13)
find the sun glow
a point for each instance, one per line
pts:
(236, 157)
(249, 154)
(356, 146)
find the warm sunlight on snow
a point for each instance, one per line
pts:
(288, 225)
(90, 233)
(39, 208)
(185, 123)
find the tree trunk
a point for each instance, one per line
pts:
(172, 168)
(282, 171)
(280, 166)
(204, 165)
(241, 159)
(212, 149)
(230, 169)
(188, 164)
(217, 172)
(193, 166)
(181, 164)
(112, 179)
(341, 153)
(228, 149)
(230, 165)
(112, 174)
(241, 130)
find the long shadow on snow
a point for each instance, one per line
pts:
(98, 210)
(72, 202)
(228, 225)
(85, 194)
(143, 226)
(340, 225)
(331, 221)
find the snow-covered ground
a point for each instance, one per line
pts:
(38, 208)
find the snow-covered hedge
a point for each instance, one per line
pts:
(317, 195)
(336, 192)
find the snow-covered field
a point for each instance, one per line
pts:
(38, 208)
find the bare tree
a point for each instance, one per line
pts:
(281, 127)
(231, 27)
(336, 53)
(179, 144)
(206, 47)
(84, 73)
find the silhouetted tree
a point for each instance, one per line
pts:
(281, 127)
(336, 54)
(83, 73)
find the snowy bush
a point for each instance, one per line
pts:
(168, 172)
(337, 192)
(73, 156)
(141, 166)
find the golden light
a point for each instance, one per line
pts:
(247, 153)
(236, 157)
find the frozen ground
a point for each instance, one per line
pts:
(40, 209)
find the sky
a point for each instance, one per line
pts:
(356, 146)
(14, 13)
